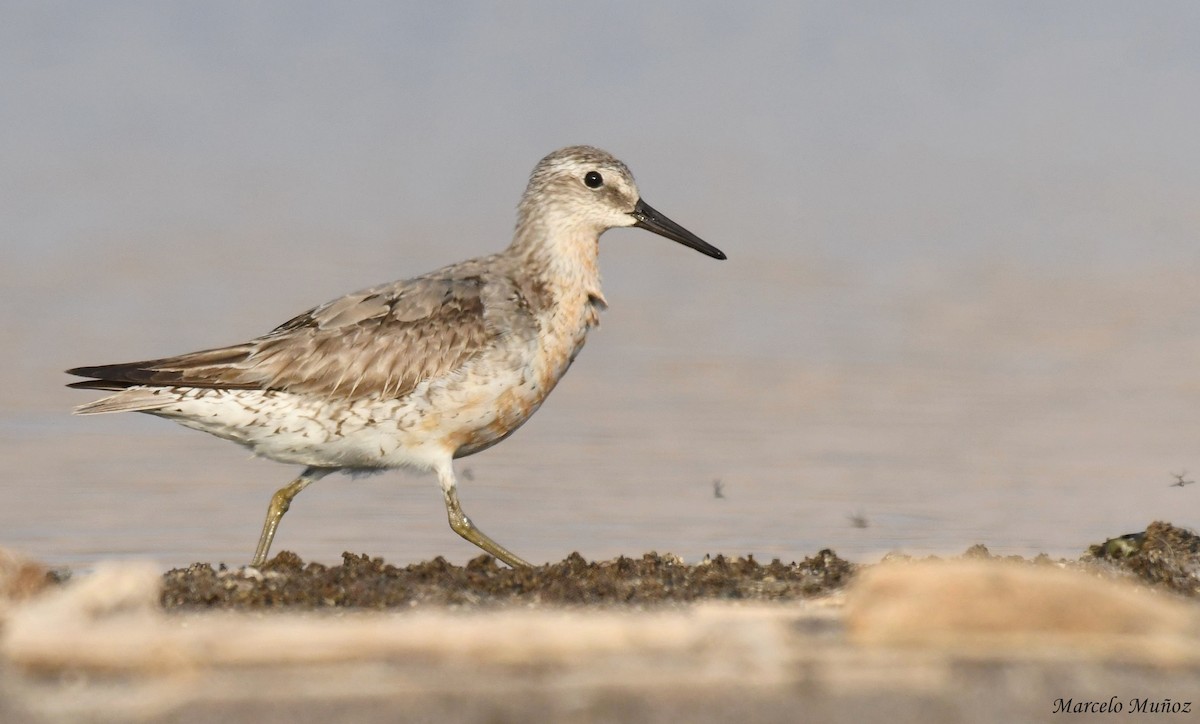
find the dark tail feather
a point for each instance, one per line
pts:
(210, 368)
(118, 376)
(99, 384)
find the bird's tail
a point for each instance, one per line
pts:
(135, 399)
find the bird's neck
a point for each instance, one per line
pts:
(559, 254)
(561, 275)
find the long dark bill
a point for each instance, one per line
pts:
(651, 220)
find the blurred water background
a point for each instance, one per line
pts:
(960, 305)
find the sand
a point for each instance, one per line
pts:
(973, 638)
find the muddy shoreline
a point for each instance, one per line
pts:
(971, 638)
(1163, 556)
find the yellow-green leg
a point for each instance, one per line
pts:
(280, 502)
(463, 525)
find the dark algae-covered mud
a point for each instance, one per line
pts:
(364, 582)
(1163, 556)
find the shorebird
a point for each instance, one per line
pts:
(415, 373)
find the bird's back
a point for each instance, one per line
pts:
(456, 358)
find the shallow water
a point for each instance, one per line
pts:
(1028, 410)
(954, 305)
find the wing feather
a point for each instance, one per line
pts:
(383, 340)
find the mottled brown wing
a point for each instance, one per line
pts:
(380, 341)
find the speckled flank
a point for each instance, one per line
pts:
(417, 372)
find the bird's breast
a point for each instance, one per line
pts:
(514, 381)
(562, 333)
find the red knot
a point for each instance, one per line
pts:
(415, 373)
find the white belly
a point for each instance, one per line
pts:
(433, 422)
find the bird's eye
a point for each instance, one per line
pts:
(593, 180)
